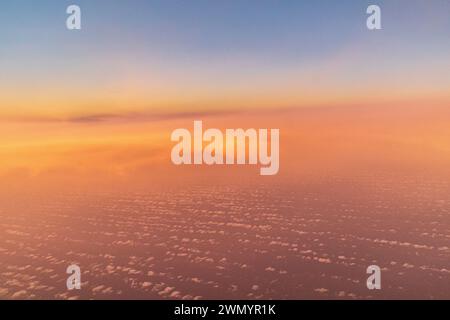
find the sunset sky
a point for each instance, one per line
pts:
(173, 56)
(87, 178)
(139, 69)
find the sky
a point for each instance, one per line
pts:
(86, 119)
(186, 56)
(100, 103)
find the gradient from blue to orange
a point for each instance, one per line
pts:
(100, 103)
(173, 56)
